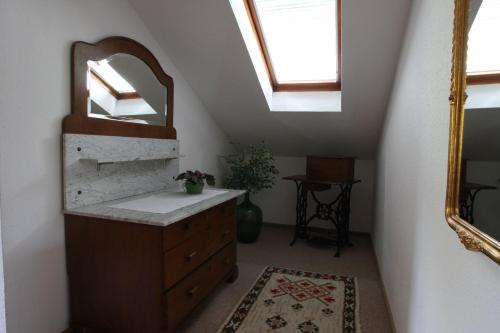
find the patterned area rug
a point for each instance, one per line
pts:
(286, 300)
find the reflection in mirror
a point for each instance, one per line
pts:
(480, 193)
(122, 87)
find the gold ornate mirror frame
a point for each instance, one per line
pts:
(472, 238)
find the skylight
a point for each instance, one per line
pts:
(483, 53)
(300, 41)
(111, 77)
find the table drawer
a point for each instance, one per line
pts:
(186, 257)
(188, 293)
(178, 232)
(328, 168)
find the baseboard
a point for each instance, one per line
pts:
(384, 290)
(278, 225)
(292, 226)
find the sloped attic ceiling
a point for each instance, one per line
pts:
(203, 39)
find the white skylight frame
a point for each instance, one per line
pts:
(111, 76)
(483, 56)
(262, 12)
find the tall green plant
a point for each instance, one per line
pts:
(251, 168)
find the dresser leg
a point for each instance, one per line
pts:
(233, 275)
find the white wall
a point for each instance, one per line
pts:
(278, 203)
(3, 328)
(483, 96)
(35, 96)
(481, 135)
(209, 49)
(433, 283)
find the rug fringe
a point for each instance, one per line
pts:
(356, 311)
(241, 300)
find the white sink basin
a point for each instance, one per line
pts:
(168, 201)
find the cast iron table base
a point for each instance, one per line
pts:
(337, 211)
(468, 199)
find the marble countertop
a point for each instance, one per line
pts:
(105, 210)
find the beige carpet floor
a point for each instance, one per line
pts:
(272, 249)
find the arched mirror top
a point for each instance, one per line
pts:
(119, 88)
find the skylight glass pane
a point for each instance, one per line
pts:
(484, 50)
(301, 38)
(112, 77)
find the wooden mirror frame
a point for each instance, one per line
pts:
(472, 238)
(80, 123)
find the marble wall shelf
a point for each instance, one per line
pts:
(151, 165)
(100, 162)
(106, 149)
(122, 160)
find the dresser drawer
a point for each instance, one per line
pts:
(188, 293)
(178, 232)
(222, 233)
(186, 257)
(223, 262)
(222, 211)
(222, 220)
(182, 298)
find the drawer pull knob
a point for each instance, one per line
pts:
(191, 256)
(226, 261)
(187, 226)
(192, 291)
(226, 233)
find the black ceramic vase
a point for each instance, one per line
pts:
(249, 219)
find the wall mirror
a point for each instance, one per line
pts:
(473, 200)
(119, 88)
(122, 87)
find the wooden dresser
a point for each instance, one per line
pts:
(139, 278)
(145, 275)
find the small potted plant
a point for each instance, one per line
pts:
(195, 181)
(251, 169)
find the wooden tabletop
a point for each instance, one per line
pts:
(475, 186)
(306, 179)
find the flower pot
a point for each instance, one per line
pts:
(193, 188)
(249, 221)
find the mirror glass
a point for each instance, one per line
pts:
(122, 87)
(480, 181)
